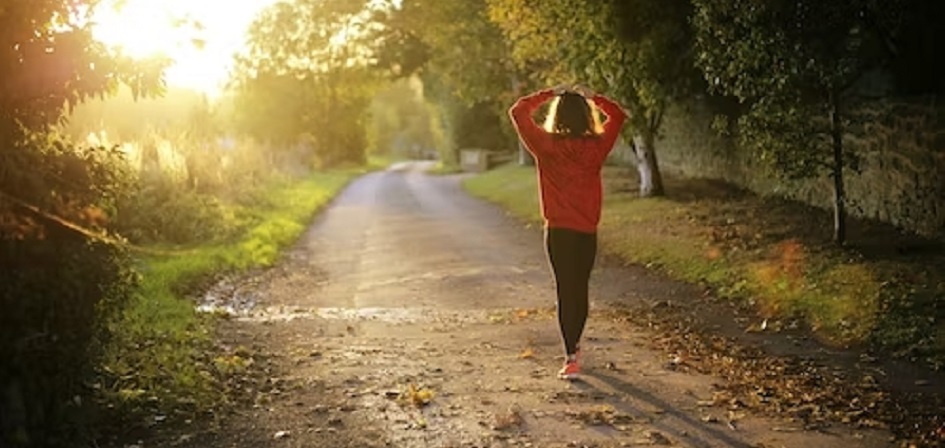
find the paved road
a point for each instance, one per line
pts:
(406, 282)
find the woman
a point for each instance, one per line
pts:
(569, 153)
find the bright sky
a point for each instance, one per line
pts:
(146, 27)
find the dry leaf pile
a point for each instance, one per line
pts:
(812, 394)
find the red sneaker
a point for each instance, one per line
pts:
(570, 371)
(572, 368)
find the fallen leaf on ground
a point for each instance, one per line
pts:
(510, 419)
(421, 423)
(418, 397)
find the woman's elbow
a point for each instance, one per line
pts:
(516, 108)
(517, 115)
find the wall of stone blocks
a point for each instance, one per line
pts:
(901, 145)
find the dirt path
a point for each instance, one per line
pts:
(406, 283)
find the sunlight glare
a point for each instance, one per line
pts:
(145, 28)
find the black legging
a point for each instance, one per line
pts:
(571, 254)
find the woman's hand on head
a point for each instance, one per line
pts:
(561, 88)
(585, 91)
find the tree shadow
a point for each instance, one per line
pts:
(714, 202)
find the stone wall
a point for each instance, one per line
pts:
(901, 145)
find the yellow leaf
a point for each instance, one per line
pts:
(419, 397)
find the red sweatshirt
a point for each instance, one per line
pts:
(568, 168)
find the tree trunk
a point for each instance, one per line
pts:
(524, 157)
(651, 181)
(836, 135)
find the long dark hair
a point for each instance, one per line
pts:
(571, 115)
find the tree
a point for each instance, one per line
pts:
(400, 120)
(795, 65)
(463, 61)
(305, 78)
(638, 51)
(52, 64)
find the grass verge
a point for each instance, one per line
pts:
(886, 289)
(161, 361)
(443, 169)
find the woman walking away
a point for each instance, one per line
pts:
(569, 153)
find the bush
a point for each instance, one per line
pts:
(61, 284)
(164, 211)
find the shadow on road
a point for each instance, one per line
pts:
(680, 425)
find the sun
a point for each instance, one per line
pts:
(200, 36)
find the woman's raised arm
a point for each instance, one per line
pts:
(615, 118)
(521, 113)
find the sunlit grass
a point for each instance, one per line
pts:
(840, 298)
(445, 169)
(511, 187)
(381, 161)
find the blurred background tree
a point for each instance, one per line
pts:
(305, 81)
(400, 121)
(464, 64)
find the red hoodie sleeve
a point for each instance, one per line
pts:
(615, 119)
(534, 137)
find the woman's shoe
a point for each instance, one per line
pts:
(570, 371)
(572, 368)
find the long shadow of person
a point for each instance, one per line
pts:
(674, 422)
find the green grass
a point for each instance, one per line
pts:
(736, 245)
(379, 161)
(513, 188)
(160, 357)
(445, 169)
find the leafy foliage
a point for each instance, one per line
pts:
(54, 63)
(160, 211)
(757, 50)
(464, 51)
(639, 52)
(463, 61)
(400, 120)
(61, 286)
(795, 65)
(179, 168)
(305, 79)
